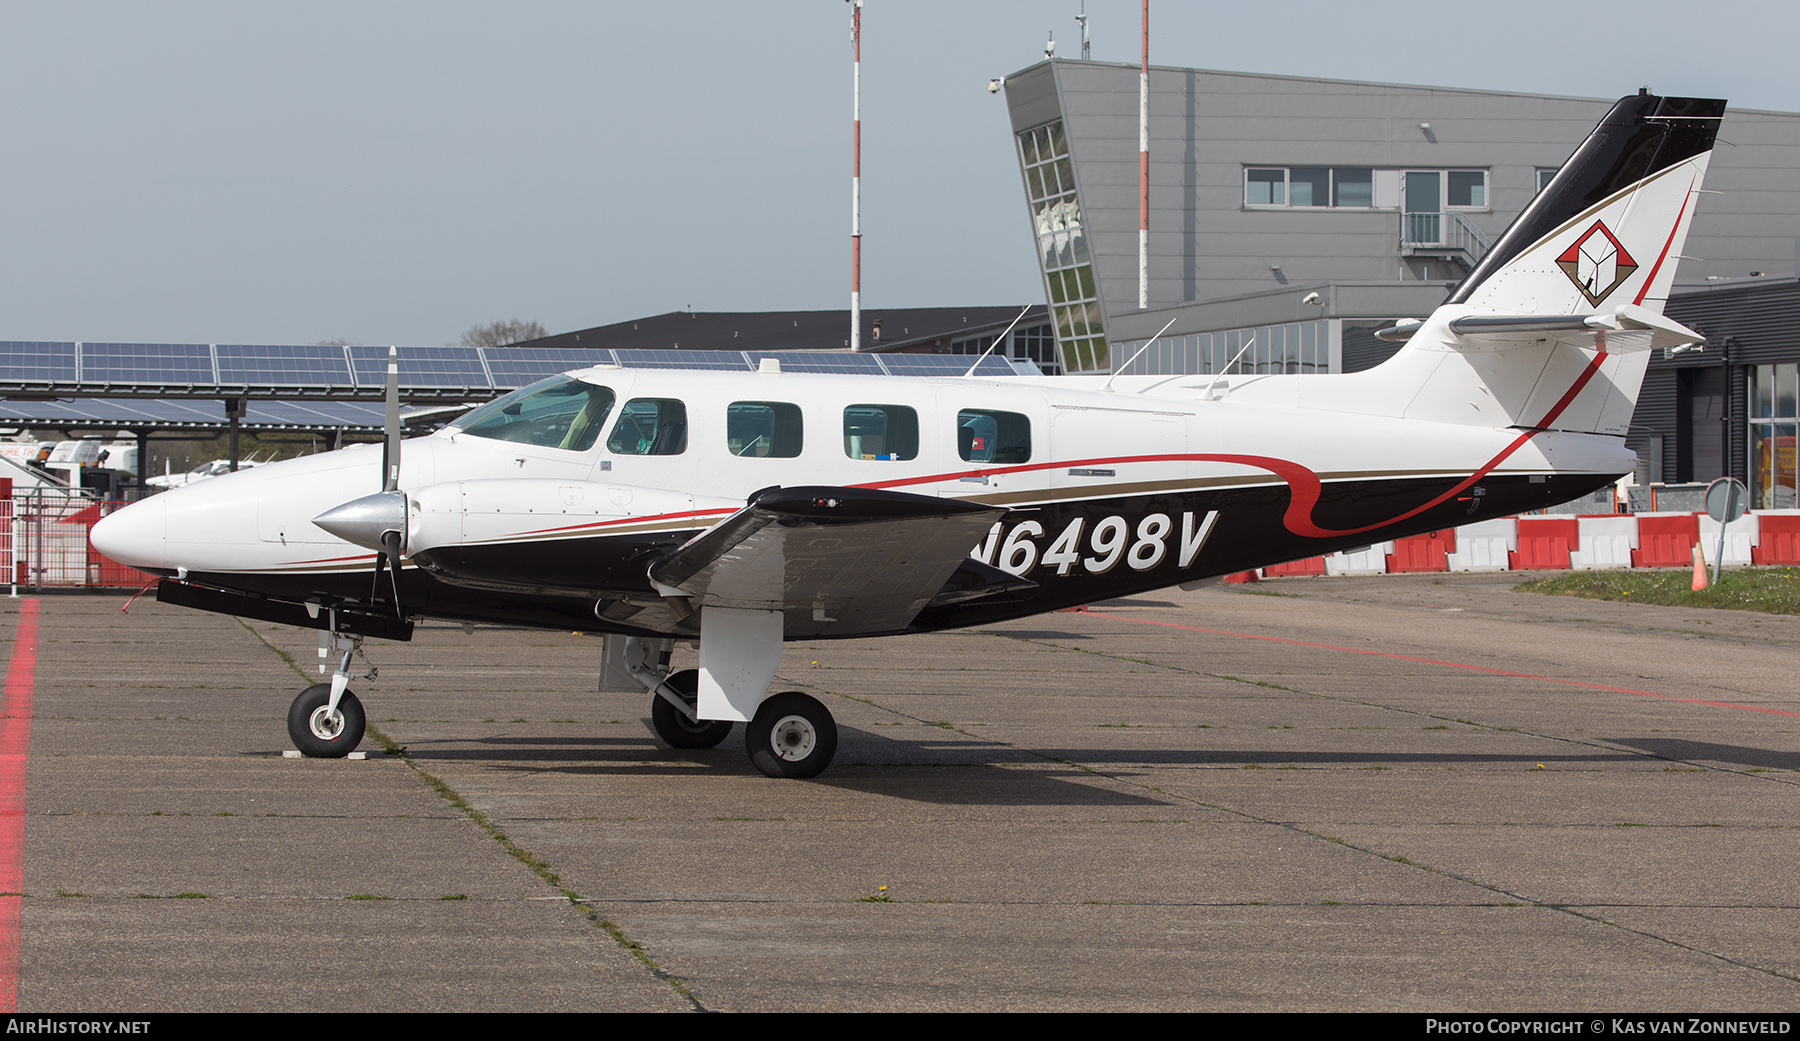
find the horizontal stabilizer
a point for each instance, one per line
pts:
(1627, 328)
(835, 561)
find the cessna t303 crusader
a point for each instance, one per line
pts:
(744, 509)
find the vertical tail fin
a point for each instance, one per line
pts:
(1608, 227)
(1552, 329)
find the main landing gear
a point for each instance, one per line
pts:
(326, 721)
(788, 734)
(791, 735)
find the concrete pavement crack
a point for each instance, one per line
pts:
(1297, 829)
(531, 861)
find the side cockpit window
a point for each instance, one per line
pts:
(557, 413)
(988, 436)
(650, 426)
(881, 432)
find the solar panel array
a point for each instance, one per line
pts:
(317, 365)
(328, 371)
(30, 361)
(158, 413)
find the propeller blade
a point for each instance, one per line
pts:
(375, 583)
(390, 455)
(390, 542)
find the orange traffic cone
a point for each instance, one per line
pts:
(1699, 569)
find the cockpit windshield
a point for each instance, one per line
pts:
(560, 412)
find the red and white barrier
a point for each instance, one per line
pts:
(1604, 543)
(1546, 542)
(1484, 545)
(1778, 538)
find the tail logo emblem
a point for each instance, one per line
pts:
(1596, 263)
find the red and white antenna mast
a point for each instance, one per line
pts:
(1144, 167)
(856, 175)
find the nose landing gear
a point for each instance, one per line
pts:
(327, 721)
(320, 731)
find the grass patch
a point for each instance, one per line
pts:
(367, 896)
(1771, 590)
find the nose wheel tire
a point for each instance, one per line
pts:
(321, 734)
(674, 728)
(792, 735)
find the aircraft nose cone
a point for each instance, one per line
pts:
(137, 535)
(363, 521)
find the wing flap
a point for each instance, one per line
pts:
(835, 561)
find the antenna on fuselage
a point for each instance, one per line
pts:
(1107, 386)
(991, 346)
(1228, 365)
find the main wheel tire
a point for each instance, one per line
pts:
(792, 735)
(675, 729)
(317, 733)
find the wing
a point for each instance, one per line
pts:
(835, 561)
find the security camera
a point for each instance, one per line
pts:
(994, 85)
(1310, 298)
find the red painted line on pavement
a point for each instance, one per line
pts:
(15, 741)
(1449, 665)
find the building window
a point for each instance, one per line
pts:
(1353, 188)
(1062, 248)
(1774, 432)
(1265, 187)
(1309, 186)
(1036, 343)
(1544, 177)
(1292, 348)
(1467, 189)
(763, 429)
(1362, 188)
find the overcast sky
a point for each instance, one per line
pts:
(398, 172)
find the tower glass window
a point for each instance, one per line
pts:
(1063, 249)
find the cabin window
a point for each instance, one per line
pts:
(881, 432)
(763, 429)
(985, 436)
(557, 413)
(650, 426)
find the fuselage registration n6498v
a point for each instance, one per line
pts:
(744, 509)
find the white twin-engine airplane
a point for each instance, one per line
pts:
(745, 509)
